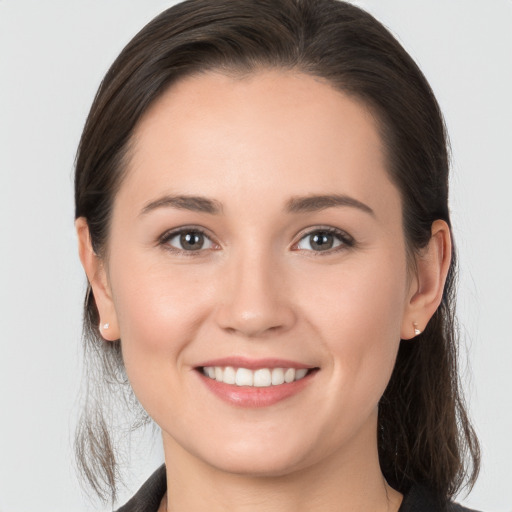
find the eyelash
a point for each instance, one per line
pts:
(346, 240)
(169, 235)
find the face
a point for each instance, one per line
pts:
(257, 230)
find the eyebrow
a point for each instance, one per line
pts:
(301, 204)
(184, 202)
(309, 204)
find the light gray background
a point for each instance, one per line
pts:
(53, 55)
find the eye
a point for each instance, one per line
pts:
(187, 240)
(323, 240)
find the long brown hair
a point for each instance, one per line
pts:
(424, 435)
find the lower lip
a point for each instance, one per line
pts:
(251, 396)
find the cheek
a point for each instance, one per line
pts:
(159, 313)
(157, 303)
(358, 311)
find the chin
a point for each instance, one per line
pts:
(258, 468)
(258, 459)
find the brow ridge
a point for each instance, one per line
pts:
(313, 203)
(298, 204)
(184, 202)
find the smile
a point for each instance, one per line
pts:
(261, 378)
(249, 383)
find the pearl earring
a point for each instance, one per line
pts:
(105, 326)
(416, 330)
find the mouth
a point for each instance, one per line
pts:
(250, 383)
(259, 378)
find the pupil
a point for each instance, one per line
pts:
(322, 241)
(192, 241)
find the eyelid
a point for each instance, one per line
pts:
(171, 233)
(346, 239)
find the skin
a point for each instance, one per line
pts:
(259, 289)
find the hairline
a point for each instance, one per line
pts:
(246, 71)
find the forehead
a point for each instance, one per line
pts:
(221, 136)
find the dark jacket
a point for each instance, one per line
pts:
(149, 496)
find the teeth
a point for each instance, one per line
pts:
(289, 375)
(229, 375)
(263, 377)
(300, 373)
(277, 376)
(244, 377)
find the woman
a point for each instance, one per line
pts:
(262, 212)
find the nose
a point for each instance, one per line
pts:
(256, 302)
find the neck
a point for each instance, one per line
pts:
(350, 480)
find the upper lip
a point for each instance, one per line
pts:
(254, 364)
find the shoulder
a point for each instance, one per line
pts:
(420, 499)
(455, 507)
(149, 496)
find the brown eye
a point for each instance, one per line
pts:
(189, 240)
(324, 240)
(321, 241)
(192, 241)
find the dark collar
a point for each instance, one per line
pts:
(149, 497)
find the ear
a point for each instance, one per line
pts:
(96, 274)
(427, 285)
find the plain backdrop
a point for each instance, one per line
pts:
(53, 54)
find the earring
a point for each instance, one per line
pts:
(105, 326)
(416, 330)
